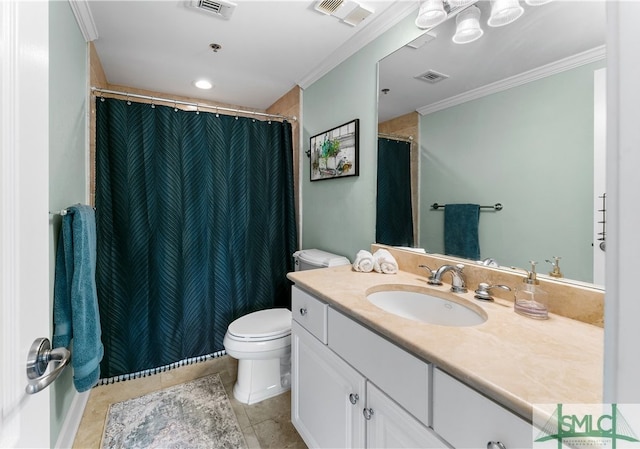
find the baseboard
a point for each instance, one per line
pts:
(72, 420)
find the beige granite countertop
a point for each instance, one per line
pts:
(515, 360)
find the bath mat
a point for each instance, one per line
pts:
(192, 415)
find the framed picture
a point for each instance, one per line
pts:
(334, 153)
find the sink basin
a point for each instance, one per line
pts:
(426, 308)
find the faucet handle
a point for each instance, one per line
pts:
(432, 275)
(482, 292)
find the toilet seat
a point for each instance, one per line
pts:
(263, 325)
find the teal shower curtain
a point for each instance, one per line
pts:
(195, 227)
(394, 217)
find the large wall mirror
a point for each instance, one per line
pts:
(515, 117)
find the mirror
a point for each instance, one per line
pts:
(510, 121)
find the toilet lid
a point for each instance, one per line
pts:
(268, 323)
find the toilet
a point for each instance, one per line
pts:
(261, 341)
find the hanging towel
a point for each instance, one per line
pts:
(363, 262)
(461, 230)
(75, 301)
(384, 262)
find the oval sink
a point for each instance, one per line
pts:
(426, 308)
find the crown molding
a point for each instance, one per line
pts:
(82, 11)
(580, 59)
(378, 25)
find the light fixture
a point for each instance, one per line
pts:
(468, 26)
(503, 12)
(536, 2)
(431, 13)
(203, 84)
(462, 3)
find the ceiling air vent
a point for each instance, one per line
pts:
(220, 8)
(432, 76)
(328, 6)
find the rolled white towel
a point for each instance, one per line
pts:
(364, 261)
(384, 262)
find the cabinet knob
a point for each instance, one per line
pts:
(368, 413)
(303, 311)
(353, 398)
(495, 445)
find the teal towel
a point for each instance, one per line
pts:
(75, 298)
(461, 230)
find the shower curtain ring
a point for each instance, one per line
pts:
(175, 106)
(153, 106)
(128, 101)
(197, 109)
(217, 113)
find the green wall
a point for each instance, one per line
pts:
(339, 215)
(529, 148)
(68, 73)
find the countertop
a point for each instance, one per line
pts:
(517, 361)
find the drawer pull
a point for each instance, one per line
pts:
(495, 445)
(368, 413)
(353, 398)
(303, 311)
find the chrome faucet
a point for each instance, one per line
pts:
(458, 284)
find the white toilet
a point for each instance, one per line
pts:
(261, 341)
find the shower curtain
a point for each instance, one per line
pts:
(394, 217)
(195, 227)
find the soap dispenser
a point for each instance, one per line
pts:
(530, 299)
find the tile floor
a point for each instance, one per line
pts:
(265, 425)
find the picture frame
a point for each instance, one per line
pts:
(334, 153)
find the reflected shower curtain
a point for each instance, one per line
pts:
(195, 227)
(394, 217)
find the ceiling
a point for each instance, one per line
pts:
(268, 47)
(542, 36)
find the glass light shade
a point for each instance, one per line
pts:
(536, 2)
(468, 26)
(503, 12)
(431, 13)
(461, 3)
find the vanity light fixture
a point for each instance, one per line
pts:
(203, 84)
(504, 12)
(536, 2)
(468, 26)
(431, 13)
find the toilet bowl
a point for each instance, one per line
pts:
(261, 342)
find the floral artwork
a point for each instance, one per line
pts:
(334, 153)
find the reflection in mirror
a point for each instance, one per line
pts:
(512, 121)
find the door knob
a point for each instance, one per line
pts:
(40, 357)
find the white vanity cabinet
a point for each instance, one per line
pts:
(466, 419)
(360, 390)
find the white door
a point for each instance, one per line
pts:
(24, 220)
(389, 425)
(327, 395)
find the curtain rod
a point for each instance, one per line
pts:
(396, 137)
(187, 103)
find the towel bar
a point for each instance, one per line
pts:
(497, 206)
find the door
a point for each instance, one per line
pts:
(599, 173)
(327, 395)
(24, 221)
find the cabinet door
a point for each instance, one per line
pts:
(390, 426)
(327, 395)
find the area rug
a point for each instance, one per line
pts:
(195, 414)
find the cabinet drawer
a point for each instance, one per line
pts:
(467, 419)
(402, 376)
(310, 313)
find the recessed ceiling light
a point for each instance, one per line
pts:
(203, 84)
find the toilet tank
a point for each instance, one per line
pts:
(310, 259)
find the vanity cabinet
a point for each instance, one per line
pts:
(345, 394)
